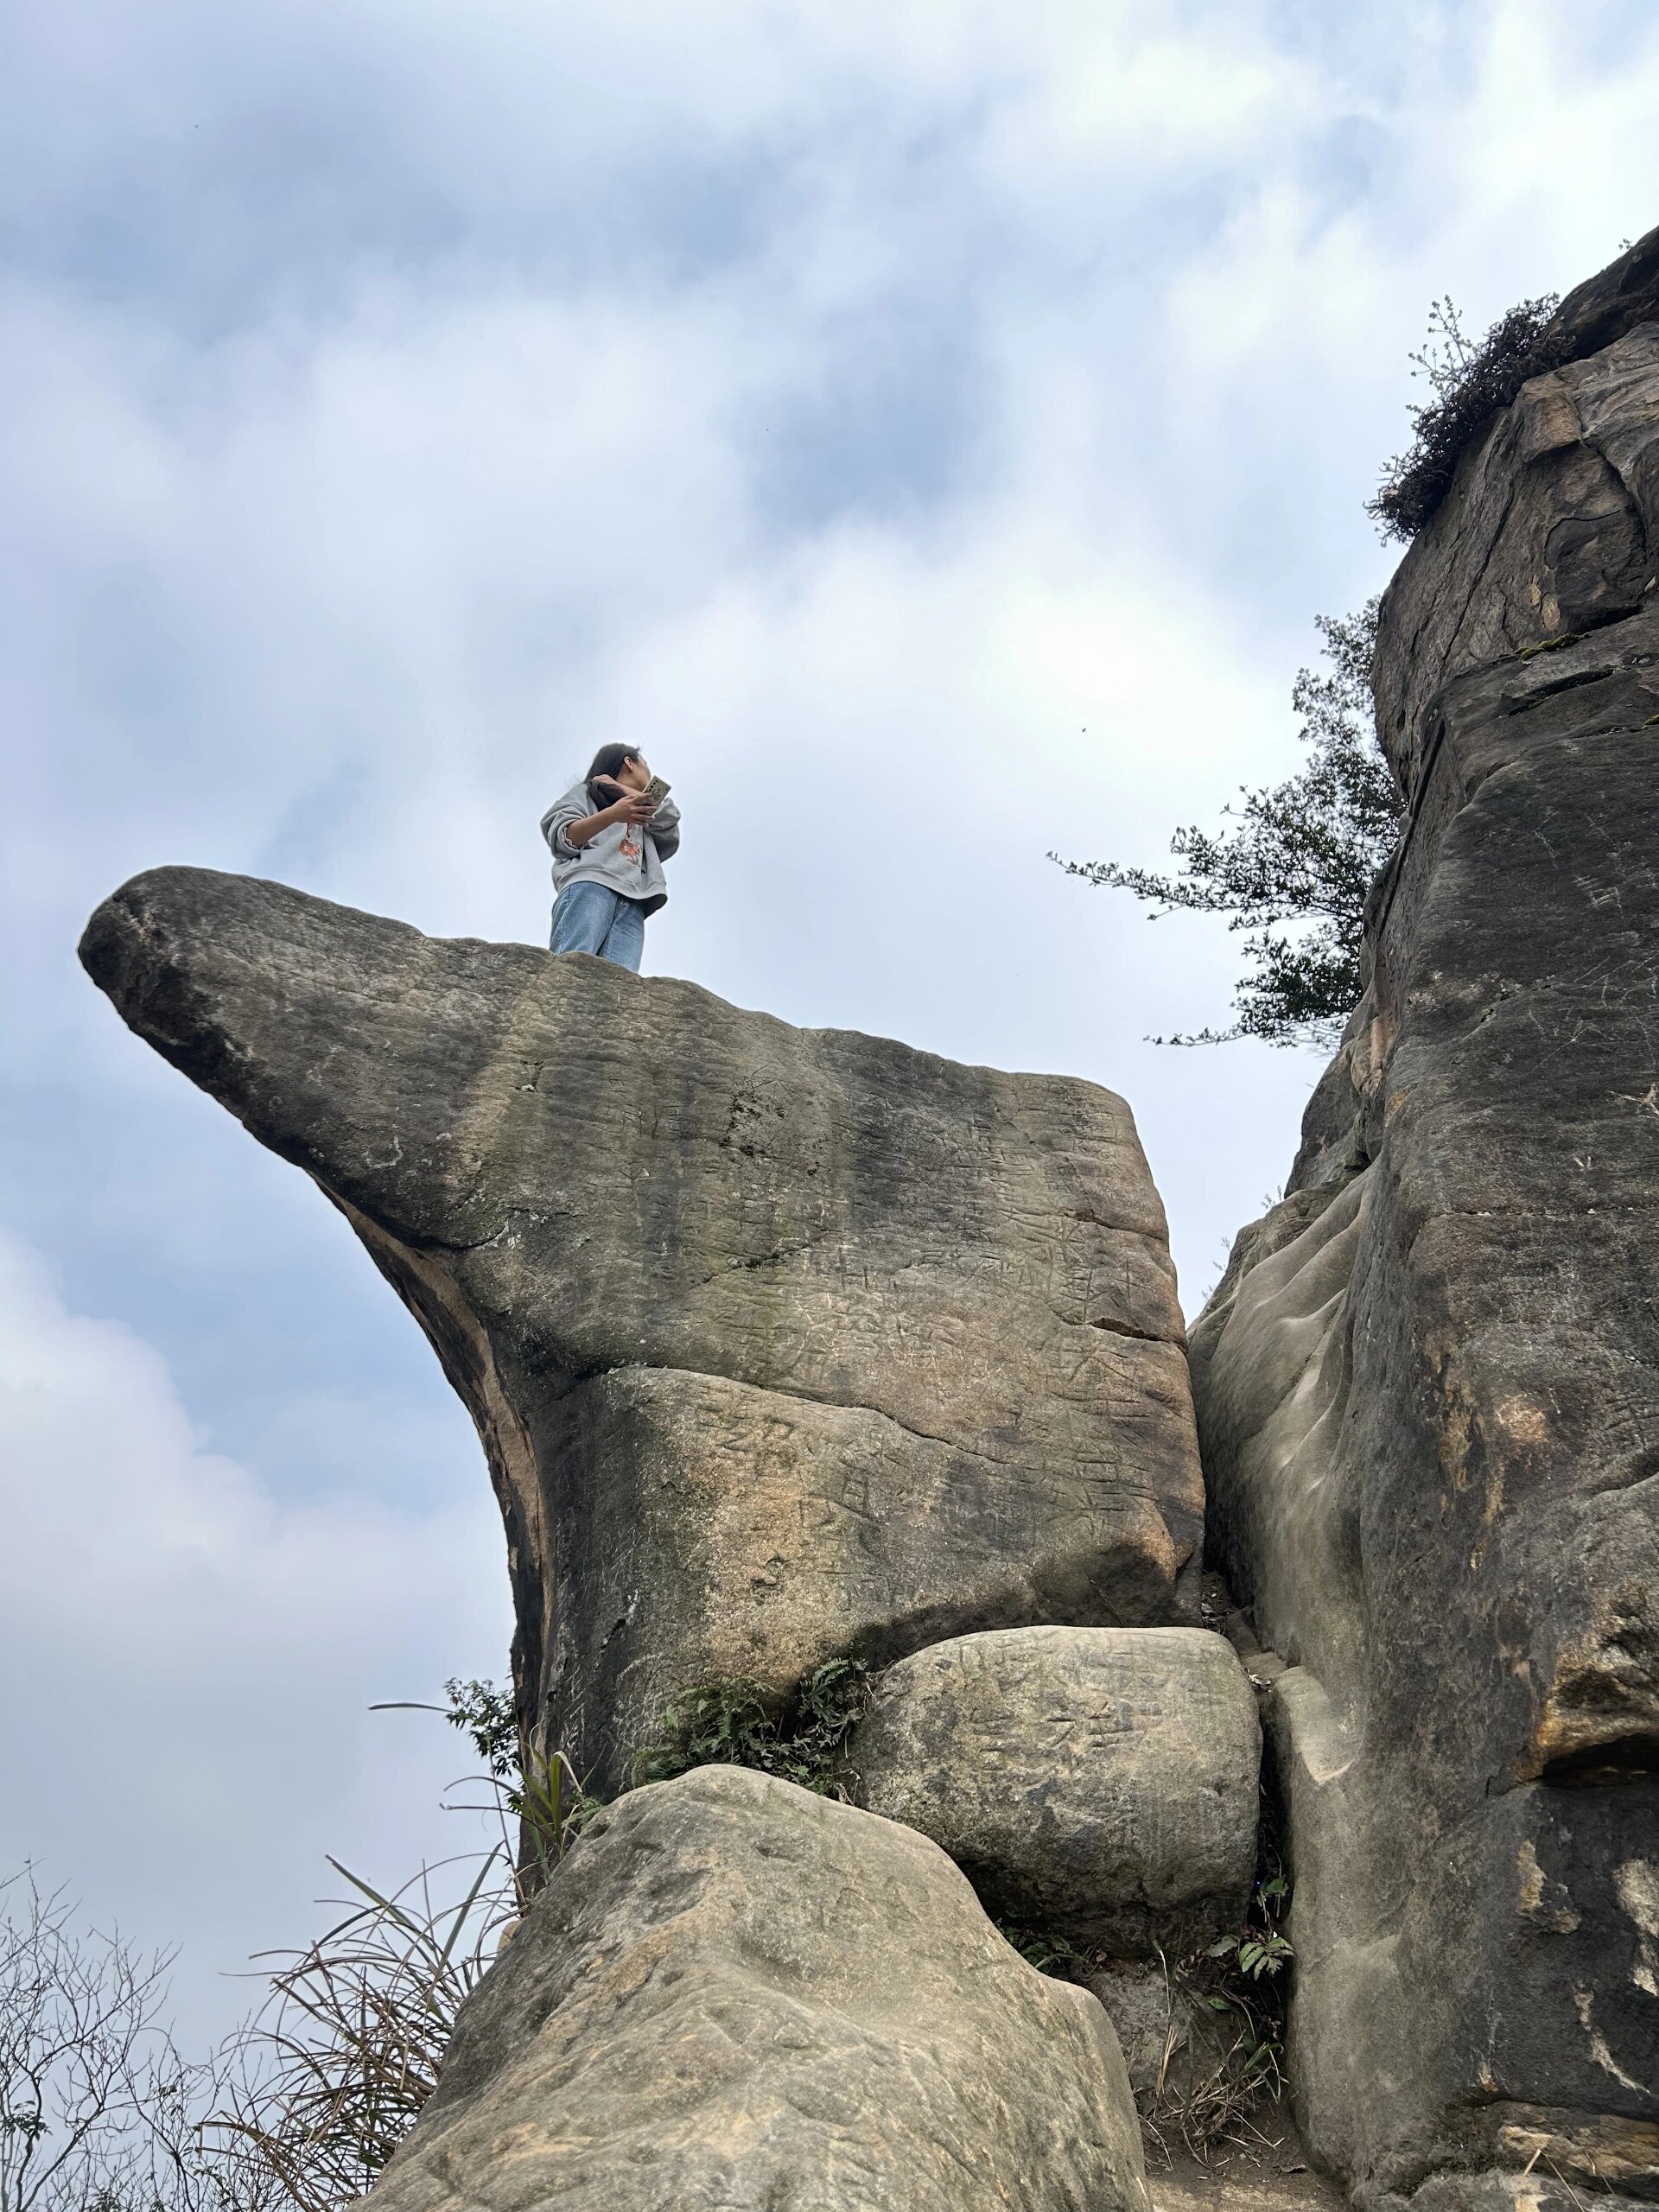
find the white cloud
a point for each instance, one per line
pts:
(189, 1660)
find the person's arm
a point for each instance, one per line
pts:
(664, 828)
(632, 807)
(567, 832)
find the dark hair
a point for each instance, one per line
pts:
(605, 764)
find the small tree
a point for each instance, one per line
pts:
(1305, 853)
(98, 2113)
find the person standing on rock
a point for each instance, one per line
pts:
(609, 836)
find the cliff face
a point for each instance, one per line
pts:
(781, 1343)
(1428, 1385)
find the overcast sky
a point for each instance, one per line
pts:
(929, 431)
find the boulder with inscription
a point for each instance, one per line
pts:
(1102, 1783)
(734, 1993)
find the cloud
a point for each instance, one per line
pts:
(189, 1659)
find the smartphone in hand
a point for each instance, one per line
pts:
(656, 790)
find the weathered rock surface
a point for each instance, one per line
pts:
(1175, 2044)
(1101, 1782)
(1428, 1385)
(734, 1994)
(782, 1343)
(1151, 2016)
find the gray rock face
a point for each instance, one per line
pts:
(736, 1995)
(1428, 1386)
(1151, 2017)
(1545, 535)
(1561, 2188)
(781, 1343)
(1599, 312)
(1099, 1782)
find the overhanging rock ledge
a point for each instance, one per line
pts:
(782, 1343)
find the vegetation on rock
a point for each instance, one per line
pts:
(547, 1797)
(735, 1722)
(488, 1716)
(1471, 379)
(1239, 1981)
(1045, 1948)
(332, 2072)
(1303, 853)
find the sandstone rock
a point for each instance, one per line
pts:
(1599, 312)
(1541, 2189)
(1428, 1385)
(1152, 2018)
(782, 1343)
(1548, 532)
(734, 1994)
(1101, 1782)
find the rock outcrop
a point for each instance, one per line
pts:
(734, 1993)
(785, 1345)
(1428, 1384)
(782, 1343)
(1099, 1783)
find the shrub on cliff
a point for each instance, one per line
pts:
(1303, 853)
(1470, 381)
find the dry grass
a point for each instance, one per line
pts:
(1214, 2101)
(335, 2066)
(332, 2072)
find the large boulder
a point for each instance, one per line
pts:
(782, 1343)
(1101, 1782)
(1428, 1384)
(734, 1994)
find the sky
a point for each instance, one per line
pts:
(930, 432)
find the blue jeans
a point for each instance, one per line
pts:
(589, 917)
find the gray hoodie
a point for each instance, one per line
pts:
(636, 875)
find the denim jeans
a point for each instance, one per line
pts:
(591, 918)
